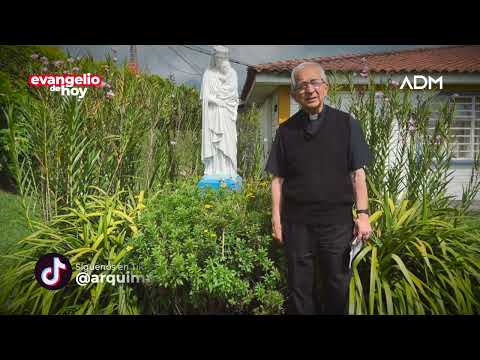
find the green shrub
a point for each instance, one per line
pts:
(15, 61)
(209, 251)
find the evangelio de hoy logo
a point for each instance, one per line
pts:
(67, 85)
(53, 271)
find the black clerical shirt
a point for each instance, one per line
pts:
(311, 127)
(360, 154)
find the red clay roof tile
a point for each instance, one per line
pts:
(464, 58)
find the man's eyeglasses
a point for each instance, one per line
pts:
(301, 87)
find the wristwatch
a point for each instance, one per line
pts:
(363, 211)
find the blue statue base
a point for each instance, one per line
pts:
(220, 182)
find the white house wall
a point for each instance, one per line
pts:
(461, 177)
(266, 120)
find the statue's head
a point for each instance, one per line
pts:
(221, 58)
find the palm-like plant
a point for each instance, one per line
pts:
(416, 264)
(94, 231)
(423, 257)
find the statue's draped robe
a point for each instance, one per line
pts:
(219, 131)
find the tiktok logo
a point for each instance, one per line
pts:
(53, 271)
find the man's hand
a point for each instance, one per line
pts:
(277, 229)
(362, 228)
(276, 206)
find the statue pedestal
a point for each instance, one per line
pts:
(219, 182)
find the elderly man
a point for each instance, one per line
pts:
(317, 161)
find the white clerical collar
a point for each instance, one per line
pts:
(318, 115)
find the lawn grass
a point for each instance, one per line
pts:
(13, 226)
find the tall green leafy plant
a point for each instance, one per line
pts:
(123, 135)
(250, 144)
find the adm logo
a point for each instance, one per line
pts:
(53, 271)
(416, 84)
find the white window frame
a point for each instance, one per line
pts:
(474, 139)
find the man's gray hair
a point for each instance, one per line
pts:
(304, 65)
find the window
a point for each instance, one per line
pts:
(465, 129)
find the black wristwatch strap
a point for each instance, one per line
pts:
(363, 211)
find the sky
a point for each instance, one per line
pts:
(165, 60)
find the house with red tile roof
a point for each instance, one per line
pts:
(268, 86)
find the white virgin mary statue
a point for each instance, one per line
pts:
(219, 95)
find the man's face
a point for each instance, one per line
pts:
(310, 96)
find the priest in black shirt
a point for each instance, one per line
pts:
(318, 161)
